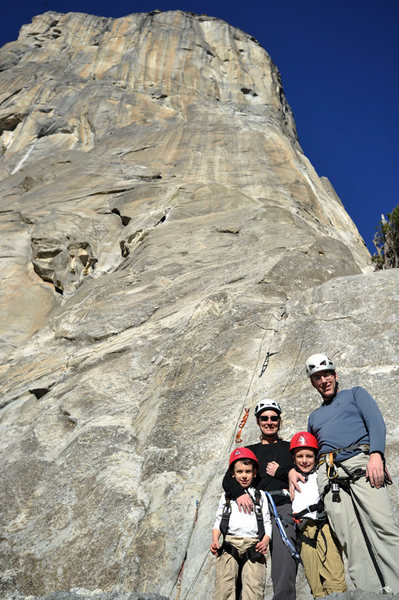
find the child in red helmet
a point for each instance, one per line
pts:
(321, 558)
(245, 536)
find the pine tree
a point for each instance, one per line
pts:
(386, 241)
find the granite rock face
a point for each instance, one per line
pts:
(161, 231)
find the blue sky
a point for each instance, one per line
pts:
(339, 66)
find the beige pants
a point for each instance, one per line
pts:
(253, 575)
(323, 565)
(377, 517)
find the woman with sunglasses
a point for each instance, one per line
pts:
(275, 462)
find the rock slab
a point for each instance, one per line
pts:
(161, 233)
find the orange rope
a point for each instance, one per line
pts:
(241, 426)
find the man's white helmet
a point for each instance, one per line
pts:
(267, 404)
(318, 362)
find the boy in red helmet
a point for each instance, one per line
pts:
(246, 536)
(320, 556)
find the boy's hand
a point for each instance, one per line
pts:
(293, 478)
(245, 504)
(263, 545)
(215, 547)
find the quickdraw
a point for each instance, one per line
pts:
(242, 425)
(332, 474)
(266, 362)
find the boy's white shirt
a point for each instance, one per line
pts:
(308, 495)
(243, 524)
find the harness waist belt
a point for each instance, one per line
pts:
(250, 554)
(363, 447)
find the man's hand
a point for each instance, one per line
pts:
(375, 470)
(271, 468)
(388, 478)
(293, 478)
(263, 545)
(245, 504)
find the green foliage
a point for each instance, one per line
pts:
(386, 241)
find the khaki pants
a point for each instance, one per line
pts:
(377, 517)
(253, 575)
(323, 564)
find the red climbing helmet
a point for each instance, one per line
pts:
(240, 453)
(303, 439)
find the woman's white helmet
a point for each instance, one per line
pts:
(318, 362)
(267, 404)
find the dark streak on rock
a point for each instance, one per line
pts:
(125, 220)
(39, 392)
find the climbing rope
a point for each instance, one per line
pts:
(181, 571)
(237, 439)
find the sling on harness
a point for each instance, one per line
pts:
(280, 525)
(250, 554)
(336, 484)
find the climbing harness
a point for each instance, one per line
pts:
(317, 507)
(242, 425)
(250, 554)
(363, 447)
(336, 484)
(280, 525)
(319, 521)
(332, 471)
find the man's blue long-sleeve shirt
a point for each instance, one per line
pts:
(352, 417)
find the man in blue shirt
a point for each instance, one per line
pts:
(350, 431)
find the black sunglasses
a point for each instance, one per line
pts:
(273, 418)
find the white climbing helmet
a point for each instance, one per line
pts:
(318, 362)
(267, 404)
